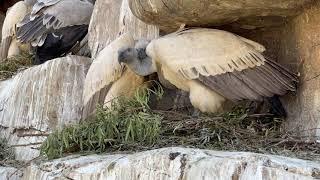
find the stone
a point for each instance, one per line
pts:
(9, 173)
(299, 48)
(295, 45)
(175, 163)
(39, 100)
(248, 14)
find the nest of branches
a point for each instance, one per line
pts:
(132, 126)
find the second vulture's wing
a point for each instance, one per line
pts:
(50, 15)
(226, 63)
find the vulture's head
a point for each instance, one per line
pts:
(136, 58)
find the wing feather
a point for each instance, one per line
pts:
(14, 15)
(105, 69)
(4, 47)
(50, 15)
(189, 52)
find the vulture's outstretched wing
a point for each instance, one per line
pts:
(230, 65)
(50, 15)
(14, 15)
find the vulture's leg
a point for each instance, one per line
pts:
(205, 99)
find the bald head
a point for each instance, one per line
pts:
(137, 59)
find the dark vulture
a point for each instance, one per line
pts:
(212, 65)
(53, 27)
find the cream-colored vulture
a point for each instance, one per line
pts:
(15, 14)
(212, 65)
(107, 75)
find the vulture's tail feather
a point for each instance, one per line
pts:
(31, 30)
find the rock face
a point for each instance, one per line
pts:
(169, 14)
(9, 173)
(175, 163)
(40, 99)
(110, 18)
(300, 41)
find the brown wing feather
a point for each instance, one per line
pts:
(4, 47)
(253, 83)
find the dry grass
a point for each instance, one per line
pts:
(236, 131)
(13, 65)
(132, 126)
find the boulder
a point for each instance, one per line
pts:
(175, 163)
(296, 45)
(9, 173)
(40, 99)
(248, 14)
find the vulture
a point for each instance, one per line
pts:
(212, 65)
(53, 27)
(107, 79)
(15, 14)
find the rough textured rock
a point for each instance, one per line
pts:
(40, 99)
(9, 173)
(169, 14)
(296, 46)
(175, 163)
(111, 18)
(300, 48)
